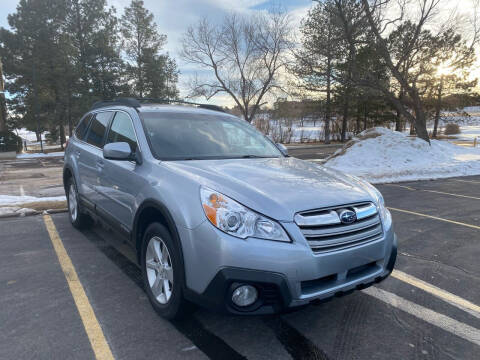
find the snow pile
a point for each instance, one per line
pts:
(15, 200)
(40, 155)
(380, 155)
(15, 211)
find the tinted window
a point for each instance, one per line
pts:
(177, 136)
(97, 129)
(122, 131)
(81, 128)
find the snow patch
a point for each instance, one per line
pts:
(15, 211)
(40, 155)
(13, 199)
(380, 155)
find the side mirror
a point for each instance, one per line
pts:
(118, 151)
(282, 148)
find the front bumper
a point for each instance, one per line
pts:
(286, 275)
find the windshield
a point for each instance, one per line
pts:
(187, 136)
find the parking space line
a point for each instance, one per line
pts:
(92, 327)
(435, 218)
(402, 186)
(457, 195)
(444, 322)
(452, 299)
(468, 181)
(435, 191)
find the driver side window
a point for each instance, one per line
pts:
(122, 131)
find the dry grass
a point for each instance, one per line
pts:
(451, 129)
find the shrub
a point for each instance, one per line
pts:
(10, 142)
(451, 129)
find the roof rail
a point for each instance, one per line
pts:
(138, 102)
(183, 102)
(126, 101)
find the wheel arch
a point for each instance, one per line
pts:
(67, 174)
(153, 211)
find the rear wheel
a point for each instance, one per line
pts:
(77, 218)
(163, 273)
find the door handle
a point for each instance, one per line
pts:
(77, 153)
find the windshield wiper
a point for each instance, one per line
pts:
(256, 157)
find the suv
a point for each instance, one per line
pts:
(218, 214)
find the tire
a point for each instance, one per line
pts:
(78, 219)
(163, 272)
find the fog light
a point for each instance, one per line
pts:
(244, 295)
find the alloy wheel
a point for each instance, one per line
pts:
(159, 269)
(72, 202)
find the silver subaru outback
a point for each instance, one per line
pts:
(219, 215)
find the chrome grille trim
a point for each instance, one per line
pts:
(365, 211)
(324, 232)
(327, 218)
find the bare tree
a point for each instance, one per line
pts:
(244, 55)
(374, 11)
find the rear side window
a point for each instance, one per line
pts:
(122, 131)
(81, 128)
(98, 125)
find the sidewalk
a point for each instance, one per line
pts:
(29, 186)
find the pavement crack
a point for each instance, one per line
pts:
(440, 263)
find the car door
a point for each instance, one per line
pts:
(90, 156)
(120, 182)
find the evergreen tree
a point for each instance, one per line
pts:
(317, 60)
(34, 54)
(152, 74)
(93, 35)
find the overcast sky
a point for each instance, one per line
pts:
(174, 16)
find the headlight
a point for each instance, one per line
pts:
(382, 209)
(235, 219)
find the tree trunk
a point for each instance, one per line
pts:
(365, 113)
(3, 114)
(438, 107)
(346, 105)
(63, 139)
(328, 114)
(357, 122)
(398, 122)
(3, 108)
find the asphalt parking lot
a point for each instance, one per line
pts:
(428, 308)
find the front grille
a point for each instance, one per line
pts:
(325, 232)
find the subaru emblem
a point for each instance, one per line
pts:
(347, 216)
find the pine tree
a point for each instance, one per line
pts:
(151, 73)
(316, 61)
(34, 62)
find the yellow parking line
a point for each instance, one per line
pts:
(434, 191)
(468, 181)
(402, 186)
(436, 218)
(92, 327)
(444, 295)
(457, 195)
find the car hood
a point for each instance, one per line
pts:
(275, 187)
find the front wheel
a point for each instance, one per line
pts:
(163, 273)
